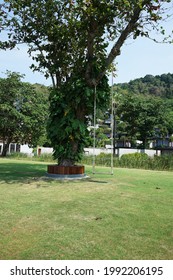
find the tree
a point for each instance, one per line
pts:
(23, 112)
(68, 41)
(142, 115)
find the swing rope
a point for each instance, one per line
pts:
(94, 132)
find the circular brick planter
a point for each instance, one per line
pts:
(66, 172)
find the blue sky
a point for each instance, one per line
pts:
(144, 57)
(138, 58)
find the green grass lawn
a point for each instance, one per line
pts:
(128, 215)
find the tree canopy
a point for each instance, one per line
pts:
(142, 116)
(65, 37)
(23, 111)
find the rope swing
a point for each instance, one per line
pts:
(94, 132)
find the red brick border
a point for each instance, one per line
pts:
(65, 170)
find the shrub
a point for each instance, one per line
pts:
(134, 160)
(164, 162)
(44, 158)
(102, 160)
(17, 155)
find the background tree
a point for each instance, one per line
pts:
(23, 112)
(151, 87)
(142, 115)
(68, 41)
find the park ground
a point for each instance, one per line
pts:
(128, 215)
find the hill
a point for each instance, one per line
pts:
(155, 85)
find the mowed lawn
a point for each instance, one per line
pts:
(128, 215)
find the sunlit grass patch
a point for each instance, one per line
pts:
(128, 215)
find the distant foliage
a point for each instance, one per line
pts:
(134, 160)
(41, 158)
(155, 85)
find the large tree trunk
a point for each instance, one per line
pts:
(75, 144)
(66, 162)
(67, 128)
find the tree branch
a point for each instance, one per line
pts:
(115, 51)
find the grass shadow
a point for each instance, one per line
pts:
(21, 171)
(97, 181)
(13, 172)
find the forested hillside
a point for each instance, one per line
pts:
(155, 85)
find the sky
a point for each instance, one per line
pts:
(144, 57)
(138, 58)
